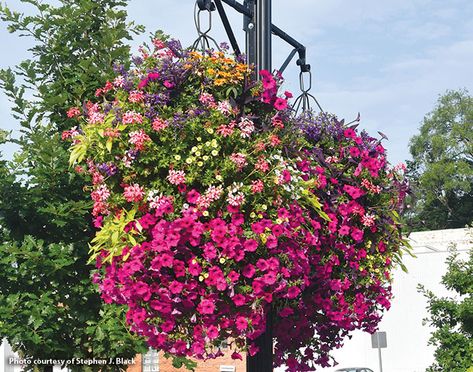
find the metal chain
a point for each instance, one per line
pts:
(303, 103)
(204, 41)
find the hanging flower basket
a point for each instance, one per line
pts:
(214, 205)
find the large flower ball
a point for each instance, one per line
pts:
(216, 208)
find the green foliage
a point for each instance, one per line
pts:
(442, 166)
(49, 307)
(179, 362)
(452, 317)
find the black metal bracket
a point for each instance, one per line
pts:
(300, 49)
(228, 27)
(206, 5)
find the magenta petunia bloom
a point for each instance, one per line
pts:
(280, 104)
(206, 307)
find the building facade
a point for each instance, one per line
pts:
(154, 361)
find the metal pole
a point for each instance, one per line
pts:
(263, 360)
(249, 27)
(379, 355)
(263, 35)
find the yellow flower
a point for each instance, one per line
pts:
(200, 163)
(194, 149)
(199, 139)
(252, 214)
(214, 152)
(197, 153)
(189, 160)
(263, 238)
(264, 207)
(201, 278)
(222, 260)
(177, 157)
(205, 213)
(210, 130)
(218, 177)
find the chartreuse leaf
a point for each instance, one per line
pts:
(79, 150)
(113, 238)
(309, 199)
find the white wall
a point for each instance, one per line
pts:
(407, 338)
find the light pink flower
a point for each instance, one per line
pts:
(119, 81)
(101, 194)
(236, 199)
(136, 96)
(73, 112)
(247, 127)
(224, 107)
(262, 165)
(96, 118)
(139, 138)
(239, 159)
(159, 124)
(132, 117)
(207, 100)
(133, 193)
(368, 220)
(257, 186)
(176, 177)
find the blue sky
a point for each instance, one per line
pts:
(389, 60)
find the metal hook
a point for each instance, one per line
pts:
(204, 40)
(302, 103)
(302, 81)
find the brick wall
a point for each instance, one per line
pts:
(137, 366)
(165, 365)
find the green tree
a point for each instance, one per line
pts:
(452, 317)
(49, 307)
(442, 165)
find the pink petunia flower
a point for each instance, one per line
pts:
(241, 323)
(206, 307)
(280, 104)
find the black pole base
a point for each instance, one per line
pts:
(263, 360)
